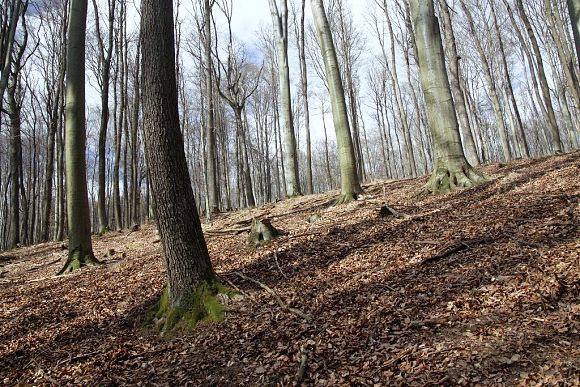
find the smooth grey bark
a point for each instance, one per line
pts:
(518, 126)
(574, 11)
(280, 26)
(491, 86)
(350, 183)
(555, 139)
(104, 65)
(211, 147)
(300, 36)
(451, 169)
(186, 254)
(455, 83)
(9, 29)
(80, 249)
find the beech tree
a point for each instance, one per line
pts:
(350, 184)
(574, 10)
(80, 248)
(280, 23)
(451, 169)
(189, 269)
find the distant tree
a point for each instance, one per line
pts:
(574, 10)
(80, 248)
(186, 254)
(451, 169)
(280, 25)
(350, 183)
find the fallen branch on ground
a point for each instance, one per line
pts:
(281, 303)
(302, 369)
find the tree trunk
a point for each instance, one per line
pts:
(451, 169)
(350, 184)
(454, 73)
(551, 116)
(79, 227)
(491, 86)
(186, 254)
(280, 24)
(574, 10)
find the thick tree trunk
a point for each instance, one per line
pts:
(79, 227)
(350, 184)
(451, 169)
(186, 255)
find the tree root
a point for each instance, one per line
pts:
(345, 199)
(77, 259)
(203, 305)
(445, 180)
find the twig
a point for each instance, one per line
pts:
(277, 264)
(281, 303)
(523, 242)
(450, 251)
(235, 231)
(303, 363)
(44, 264)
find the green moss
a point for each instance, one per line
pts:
(202, 306)
(76, 260)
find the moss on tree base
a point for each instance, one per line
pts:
(203, 305)
(78, 259)
(444, 180)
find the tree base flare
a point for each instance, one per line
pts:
(345, 198)
(206, 304)
(76, 260)
(445, 180)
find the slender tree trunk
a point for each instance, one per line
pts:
(79, 227)
(454, 79)
(350, 183)
(280, 23)
(491, 86)
(304, 83)
(574, 10)
(551, 116)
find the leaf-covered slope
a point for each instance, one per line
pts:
(478, 286)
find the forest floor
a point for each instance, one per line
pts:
(475, 287)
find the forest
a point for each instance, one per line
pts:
(289, 192)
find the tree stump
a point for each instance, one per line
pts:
(261, 233)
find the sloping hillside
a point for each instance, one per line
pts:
(480, 286)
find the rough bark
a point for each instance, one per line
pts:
(186, 255)
(451, 169)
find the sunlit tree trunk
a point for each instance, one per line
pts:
(451, 169)
(280, 23)
(79, 227)
(350, 184)
(186, 255)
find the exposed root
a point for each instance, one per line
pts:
(203, 305)
(345, 198)
(78, 259)
(444, 179)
